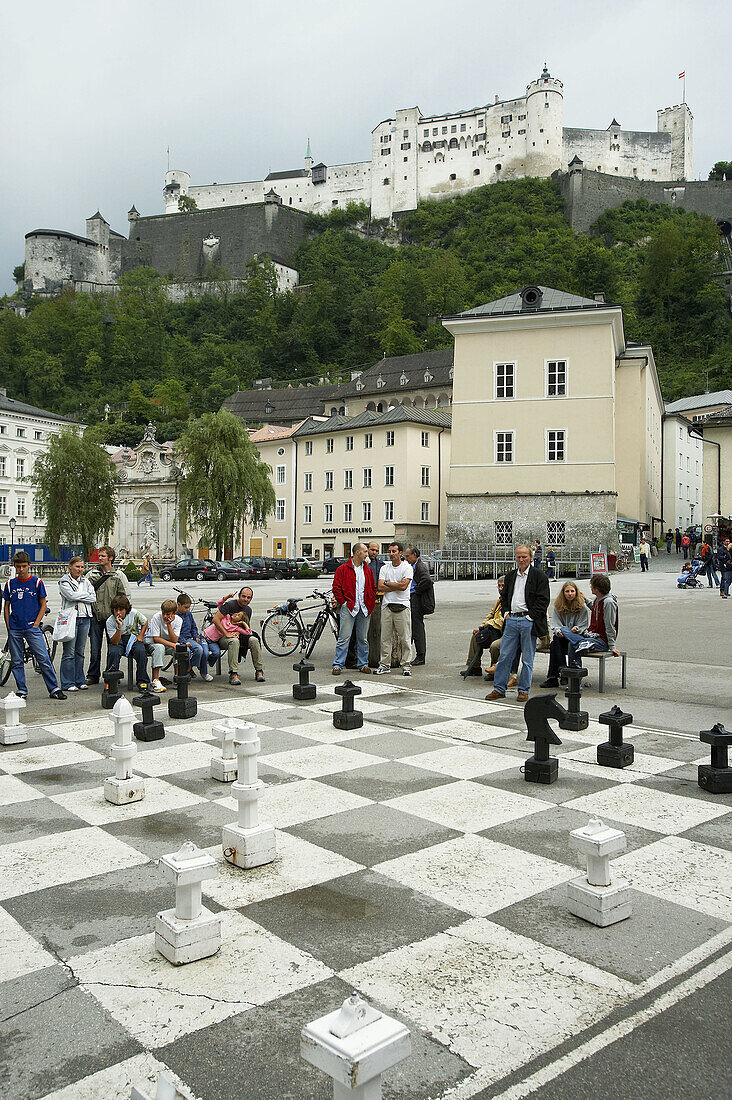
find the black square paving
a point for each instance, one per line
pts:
(396, 744)
(372, 834)
(158, 834)
(35, 818)
(380, 782)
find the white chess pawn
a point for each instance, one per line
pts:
(13, 732)
(188, 932)
(595, 897)
(223, 767)
(123, 786)
(248, 842)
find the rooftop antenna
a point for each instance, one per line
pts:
(168, 158)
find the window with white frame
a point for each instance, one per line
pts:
(425, 439)
(389, 510)
(21, 506)
(3, 540)
(349, 442)
(2, 465)
(327, 513)
(426, 477)
(367, 477)
(366, 511)
(390, 439)
(38, 435)
(3, 506)
(329, 446)
(555, 445)
(348, 479)
(328, 481)
(308, 446)
(3, 429)
(504, 446)
(505, 380)
(280, 508)
(388, 475)
(307, 513)
(555, 529)
(425, 511)
(556, 377)
(308, 483)
(280, 475)
(688, 464)
(503, 529)
(348, 513)
(19, 468)
(681, 491)
(368, 440)
(20, 432)
(681, 461)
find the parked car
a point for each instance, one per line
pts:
(331, 564)
(252, 568)
(281, 568)
(312, 563)
(225, 571)
(189, 569)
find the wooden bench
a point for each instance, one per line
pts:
(602, 658)
(131, 679)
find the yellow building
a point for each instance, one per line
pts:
(556, 423)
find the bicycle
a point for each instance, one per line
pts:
(623, 561)
(211, 609)
(6, 663)
(285, 630)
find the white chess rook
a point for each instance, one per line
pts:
(354, 1045)
(165, 1090)
(13, 732)
(248, 843)
(123, 786)
(596, 898)
(188, 932)
(223, 768)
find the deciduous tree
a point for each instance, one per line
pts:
(76, 488)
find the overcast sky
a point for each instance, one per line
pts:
(94, 93)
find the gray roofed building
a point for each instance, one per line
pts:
(283, 406)
(399, 414)
(386, 375)
(294, 173)
(9, 404)
(701, 401)
(519, 302)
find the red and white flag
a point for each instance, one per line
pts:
(682, 75)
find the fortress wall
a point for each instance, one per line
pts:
(629, 153)
(51, 258)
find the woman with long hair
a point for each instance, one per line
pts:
(569, 616)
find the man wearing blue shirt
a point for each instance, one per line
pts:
(25, 606)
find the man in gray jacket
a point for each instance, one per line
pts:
(107, 584)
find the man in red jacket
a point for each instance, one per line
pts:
(354, 591)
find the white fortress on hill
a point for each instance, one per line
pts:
(416, 157)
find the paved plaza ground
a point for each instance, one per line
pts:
(415, 864)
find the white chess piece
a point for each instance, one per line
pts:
(123, 786)
(13, 731)
(223, 767)
(188, 932)
(248, 842)
(595, 897)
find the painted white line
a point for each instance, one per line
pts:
(481, 1080)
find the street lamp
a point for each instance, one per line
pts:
(11, 525)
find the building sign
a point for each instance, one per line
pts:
(598, 563)
(346, 530)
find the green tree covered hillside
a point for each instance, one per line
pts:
(363, 296)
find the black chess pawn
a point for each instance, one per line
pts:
(183, 706)
(347, 718)
(112, 677)
(575, 718)
(717, 776)
(304, 690)
(541, 767)
(148, 729)
(615, 753)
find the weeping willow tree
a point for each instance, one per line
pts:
(75, 486)
(224, 481)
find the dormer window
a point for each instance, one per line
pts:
(380, 383)
(427, 376)
(403, 380)
(359, 386)
(450, 374)
(268, 408)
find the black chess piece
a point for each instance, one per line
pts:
(148, 729)
(575, 719)
(717, 776)
(183, 706)
(112, 677)
(304, 690)
(347, 718)
(615, 753)
(541, 767)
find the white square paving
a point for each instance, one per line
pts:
(366, 706)
(178, 758)
(287, 804)
(453, 707)
(682, 871)
(252, 967)
(38, 757)
(115, 1082)
(489, 995)
(642, 765)
(320, 760)
(194, 731)
(476, 875)
(468, 806)
(298, 864)
(21, 954)
(465, 730)
(92, 806)
(85, 729)
(613, 775)
(62, 857)
(14, 790)
(463, 761)
(656, 810)
(383, 687)
(245, 706)
(326, 733)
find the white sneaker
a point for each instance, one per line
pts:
(83, 687)
(381, 671)
(583, 646)
(157, 687)
(406, 671)
(71, 689)
(208, 677)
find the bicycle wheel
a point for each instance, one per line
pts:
(314, 635)
(51, 646)
(281, 634)
(5, 666)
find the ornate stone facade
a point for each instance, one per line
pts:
(147, 499)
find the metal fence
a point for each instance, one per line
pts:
(471, 561)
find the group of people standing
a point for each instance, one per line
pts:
(383, 604)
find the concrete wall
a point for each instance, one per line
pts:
(717, 469)
(589, 518)
(683, 473)
(52, 257)
(621, 152)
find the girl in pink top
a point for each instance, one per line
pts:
(232, 624)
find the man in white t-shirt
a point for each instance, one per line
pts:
(395, 580)
(161, 638)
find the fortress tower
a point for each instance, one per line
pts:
(679, 123)
(177, 183)
(544, 125)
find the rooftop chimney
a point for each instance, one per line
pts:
(600, 298)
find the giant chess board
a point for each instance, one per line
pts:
(415, 865)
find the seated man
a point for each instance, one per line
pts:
(191, 635)
(602, 632)
(161, 637)
(489, 631)
(237, 647)
(126, 628)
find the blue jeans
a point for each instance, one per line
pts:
(199, 655)
(361, 624)
(37, 646)
(72, 659)
(726, 581)
(517, 636)
(711, 573)
(138, 652)
(96, 637)
(598, 646)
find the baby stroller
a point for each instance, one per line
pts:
(689, 576)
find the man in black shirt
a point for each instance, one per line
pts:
(237, 647)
